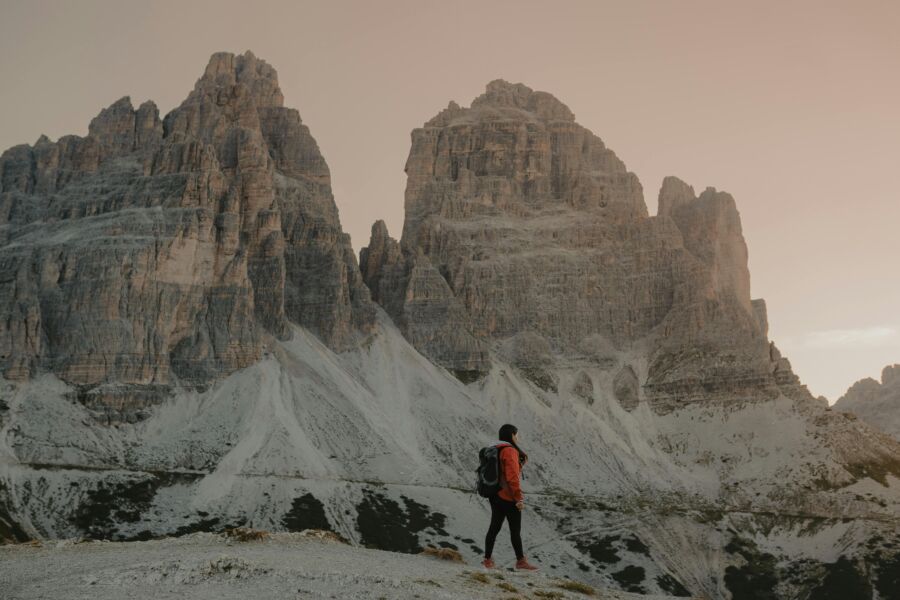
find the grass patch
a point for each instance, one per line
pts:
(322, 534)
(479, 577)
(245, 534)
(576, 586)
(552, 595)
(443, 554)
(508, 587)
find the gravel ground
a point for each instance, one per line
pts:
(285, 565)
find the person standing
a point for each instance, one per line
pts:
(508, 503)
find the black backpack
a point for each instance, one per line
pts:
(488, 471)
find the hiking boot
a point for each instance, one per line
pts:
(523, 565)
(488, 563)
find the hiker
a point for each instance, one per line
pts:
(508, 502)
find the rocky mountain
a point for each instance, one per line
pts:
(526, 237)
(189, 345)
(155, 253)
(876, 403)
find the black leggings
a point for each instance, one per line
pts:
(504, 509)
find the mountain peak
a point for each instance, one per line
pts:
(673, 193)
(877, 403)
(500, 93)
(239, 73)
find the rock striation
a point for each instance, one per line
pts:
(521, 221)
(875, 402)
(159, 251)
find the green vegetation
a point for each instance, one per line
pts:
(576, 586)
(479, 577)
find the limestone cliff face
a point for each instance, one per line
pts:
(154, 251)
(876, 402)
(519, 220)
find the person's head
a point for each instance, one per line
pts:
(510, 435)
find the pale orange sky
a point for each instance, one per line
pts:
(792, 107)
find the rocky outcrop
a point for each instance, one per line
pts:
(583, 387)
(531, 354)
(519, 220)
(877, 403)
(379, 260)
(154, 252)
(626, 388)
(423, 305)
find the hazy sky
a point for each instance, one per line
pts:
(792, 107)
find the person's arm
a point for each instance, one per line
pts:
(510, 461)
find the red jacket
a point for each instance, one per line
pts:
(510, 489)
